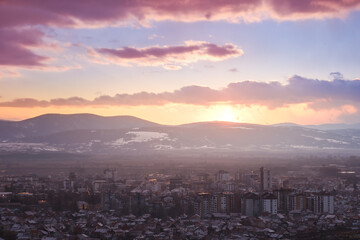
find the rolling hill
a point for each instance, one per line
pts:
(87, 133)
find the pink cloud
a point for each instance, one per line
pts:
(18, 49)
(170, 57)
(171, 67)
(70, 13)
(304, 9)
(15, 44)
(8, 73)
(317, 94)
(15, 13)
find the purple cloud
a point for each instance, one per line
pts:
(17, 14)
(69, 13)
(170, 57)
(303, 9)
(14, 47)
(318, 94)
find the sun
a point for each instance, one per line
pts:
(227, 114)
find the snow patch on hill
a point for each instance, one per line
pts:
(141, 137)
(325, 139)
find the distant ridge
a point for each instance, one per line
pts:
(53, 123)
(217, 124)
(286, 124)
(93, 121)
(335, 126)
(89, 133)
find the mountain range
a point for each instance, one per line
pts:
(88, 133)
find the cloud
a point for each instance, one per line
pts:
(336, 75)
(74, 13)
(15, 44)
(307, 9)
(16, 13)
(8, 73)
(155, 36)
(170, 57)
(20, 14)
(233, 70)
(18, 50)
(317, 94)
(172, 67)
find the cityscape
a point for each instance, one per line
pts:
(193, 200)
(180, 119)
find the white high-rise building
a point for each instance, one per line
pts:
(110, 174)
(321, 203)
(265, 180)
(269, 203)
(223, 176)
(328, 203)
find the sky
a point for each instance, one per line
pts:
(174, 62)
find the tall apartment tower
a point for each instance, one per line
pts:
(265, 180)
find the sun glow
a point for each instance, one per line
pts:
(174, 114)
(226, 113)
